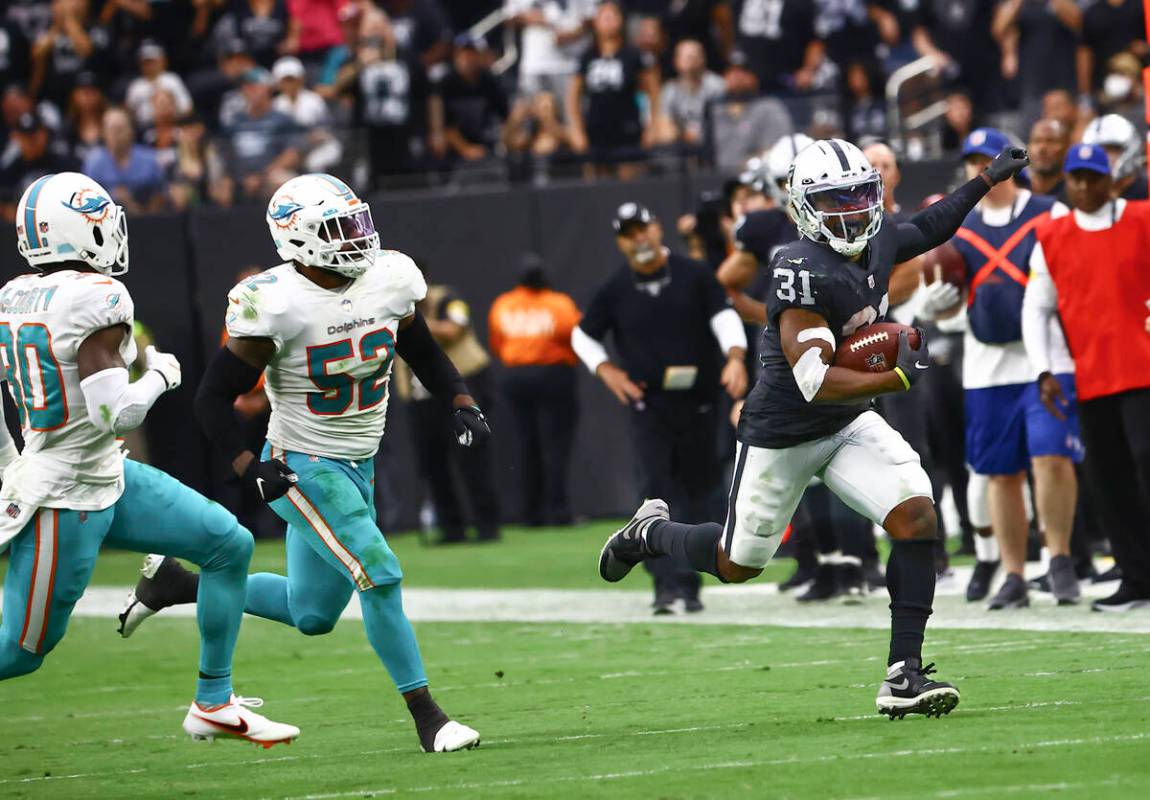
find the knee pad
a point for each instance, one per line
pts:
(312, 624)
(16, 661)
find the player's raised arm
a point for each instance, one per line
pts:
(418, 348)
(114, 403)
(809, 347)
(938, 222)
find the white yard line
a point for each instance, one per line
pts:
(726, 605)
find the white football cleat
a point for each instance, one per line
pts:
(135, 612)
(455, 736)
(234, 720)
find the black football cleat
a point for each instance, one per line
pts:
(980, 580)
(802, 575)
(908, 690)
(851, 582)
(625, 548)
(824, 587)
(164, 582)
(1125, 599)
(1012, 594)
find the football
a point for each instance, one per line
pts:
(944, 263)
(874, 348)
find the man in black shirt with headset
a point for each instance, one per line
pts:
(678, 341)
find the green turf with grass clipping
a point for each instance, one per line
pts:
(639, 710)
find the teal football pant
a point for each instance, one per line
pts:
(334, 547)
(53, 557)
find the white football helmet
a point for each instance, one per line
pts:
(1120, 139)
(69, 217)
(317, 220)
(779, 159)
(835, 196)
(754, 175)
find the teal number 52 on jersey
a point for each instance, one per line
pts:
(338, 389)
(33, 375)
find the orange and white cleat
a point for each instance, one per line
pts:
(235, 720)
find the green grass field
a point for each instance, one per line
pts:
(639, 710)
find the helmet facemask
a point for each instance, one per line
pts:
(348, 242)
(845, 216)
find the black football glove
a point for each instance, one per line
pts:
(1007, 164)
(471, 428)
(912, 364)
(271, 479)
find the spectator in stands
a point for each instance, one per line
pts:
(778, 43)
(1122, 90)
(214, 90)
(529, 330)
(85, 115)
(206, 13)
(154, 74)
(1038, 41)
(1059, 104)
(1069, 288)
(710, 22)
(319, 29)
(744, 124)
(34, 157)
(1109, 28)
(189, 179)
(388, 87)
(864, 111)
(469, 106)
(1047, 146)
(128, 170)
(956, 35)
(535, 135)
(264, 26)
(15, 58)
(553, 33)
(420, 27)
(322, 150)
(603, 105)
(62, 51)
(855, 30)
(163, 134)
(262, 144)
(650, 39)
(14, 103)
(685, 99)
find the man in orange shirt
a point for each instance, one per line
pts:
(529, 330)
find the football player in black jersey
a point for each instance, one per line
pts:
(806, 417)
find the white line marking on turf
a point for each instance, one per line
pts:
(794, 761)
(727, 605)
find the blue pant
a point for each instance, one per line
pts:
(334, 547)
(54, 555)
(1006, 426)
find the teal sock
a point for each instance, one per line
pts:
(214, 690)
(391, 636)
(267, 597)
(220, 609)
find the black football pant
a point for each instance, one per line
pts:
(1116, 432)
(439, 455)
(674, 441)
(545, 406)
(827, 523)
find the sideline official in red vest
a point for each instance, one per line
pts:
(1091, 266)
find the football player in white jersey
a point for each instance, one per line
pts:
(65, 338)
(324, 328)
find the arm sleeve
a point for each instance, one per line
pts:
(1039, 305)
(226, 378)
(935, 224)
(117, 406)
(427, 360)
(599, 319)
(728, 329)
(589, 349)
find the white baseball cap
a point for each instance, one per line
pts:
(287, 67)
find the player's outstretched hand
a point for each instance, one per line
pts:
(1007, 164)
(471, 428)
(1050, 392)
(912, 363)
(164, 363)
(272, 479)
(938, 298)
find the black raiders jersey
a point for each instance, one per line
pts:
(849, 295)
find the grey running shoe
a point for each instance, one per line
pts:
(1064, 581)
(1013, 594)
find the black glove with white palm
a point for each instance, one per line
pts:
(272, 479)
(471, 428)
(1007, 164)
(912, 363)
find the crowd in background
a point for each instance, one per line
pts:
(176, 103)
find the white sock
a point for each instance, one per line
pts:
(985, 548)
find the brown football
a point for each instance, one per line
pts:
(874, 348)
(944, 263)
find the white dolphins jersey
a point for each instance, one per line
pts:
(328, 381)
(67, 462)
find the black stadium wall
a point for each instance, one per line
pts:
(183, 265)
